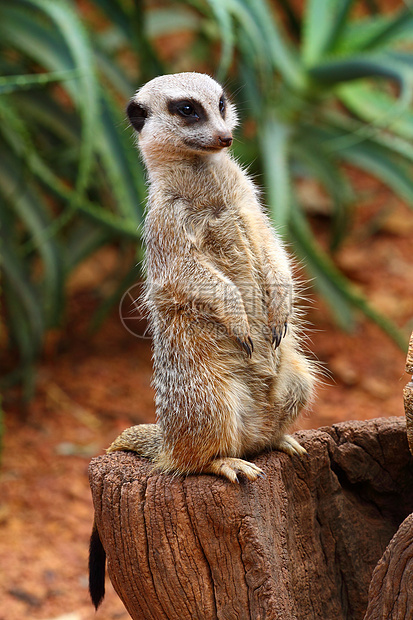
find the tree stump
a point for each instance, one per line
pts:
(391, 587)
(408, 396)
(300, 544)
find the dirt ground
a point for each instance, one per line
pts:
(92, 386)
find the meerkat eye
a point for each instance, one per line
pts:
(187, 109)
(190, 111)
(222, 106)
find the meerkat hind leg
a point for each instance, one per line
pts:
(289, 445)
(229, 467)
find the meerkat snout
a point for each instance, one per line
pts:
(225, 139)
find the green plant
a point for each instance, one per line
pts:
(63, 155)
(71, 182)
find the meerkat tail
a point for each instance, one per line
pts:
(97, 564)
(144, 439)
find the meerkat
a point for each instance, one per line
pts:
(229, 373)
(229, 376)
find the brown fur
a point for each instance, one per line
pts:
(218, 284)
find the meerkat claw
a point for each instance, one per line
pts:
(290, 446)
(228, 467)
(276, 336)
(248, 348)
(278, 333)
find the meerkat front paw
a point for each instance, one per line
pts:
(290, 446)
(278, 315)
(229, 467)
(279, 310)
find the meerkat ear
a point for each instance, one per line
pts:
(137, 114)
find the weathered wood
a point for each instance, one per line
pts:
(408, 396)
(408, 408)
(409, 359)
(391, 587)
(302, 543)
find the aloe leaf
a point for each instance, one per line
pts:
(319, 265)
(275, 144)
(292, 17)
(341, 295)
(364, 65)
(81, 51)
(22, 27)
(132, 20)
(163, 21)
(32, 214)
(396, 29)
(340, 132)
(84, 239)
(224, 21)
(70, 50)
(47, 47)
(111, 73)
(150, 64)
(116, 14)
(324, 21)
(251, 43)
(20, 142)
(370, 154)
(377, 107)
(377, 32)
(383, 164)
(403, 57)
(22, 302)
(121, 175)
(48, 115)
(352, 132)
(20, 331)
(283, 56)
(323, 165)
(13, 128)
(113, 224)
(371, 65)
(25, 319)
(12, 83)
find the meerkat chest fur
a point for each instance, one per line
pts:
(212, 213)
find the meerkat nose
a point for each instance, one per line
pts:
(225, 139)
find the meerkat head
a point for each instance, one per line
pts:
(180, 115)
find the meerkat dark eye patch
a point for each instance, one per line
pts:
(137, 114)
(188, 109)
(223, 105)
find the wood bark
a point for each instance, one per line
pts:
(300, 544)
(391, 587)
(409, 359)
(408, 396)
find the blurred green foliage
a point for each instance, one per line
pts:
(319, 90)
